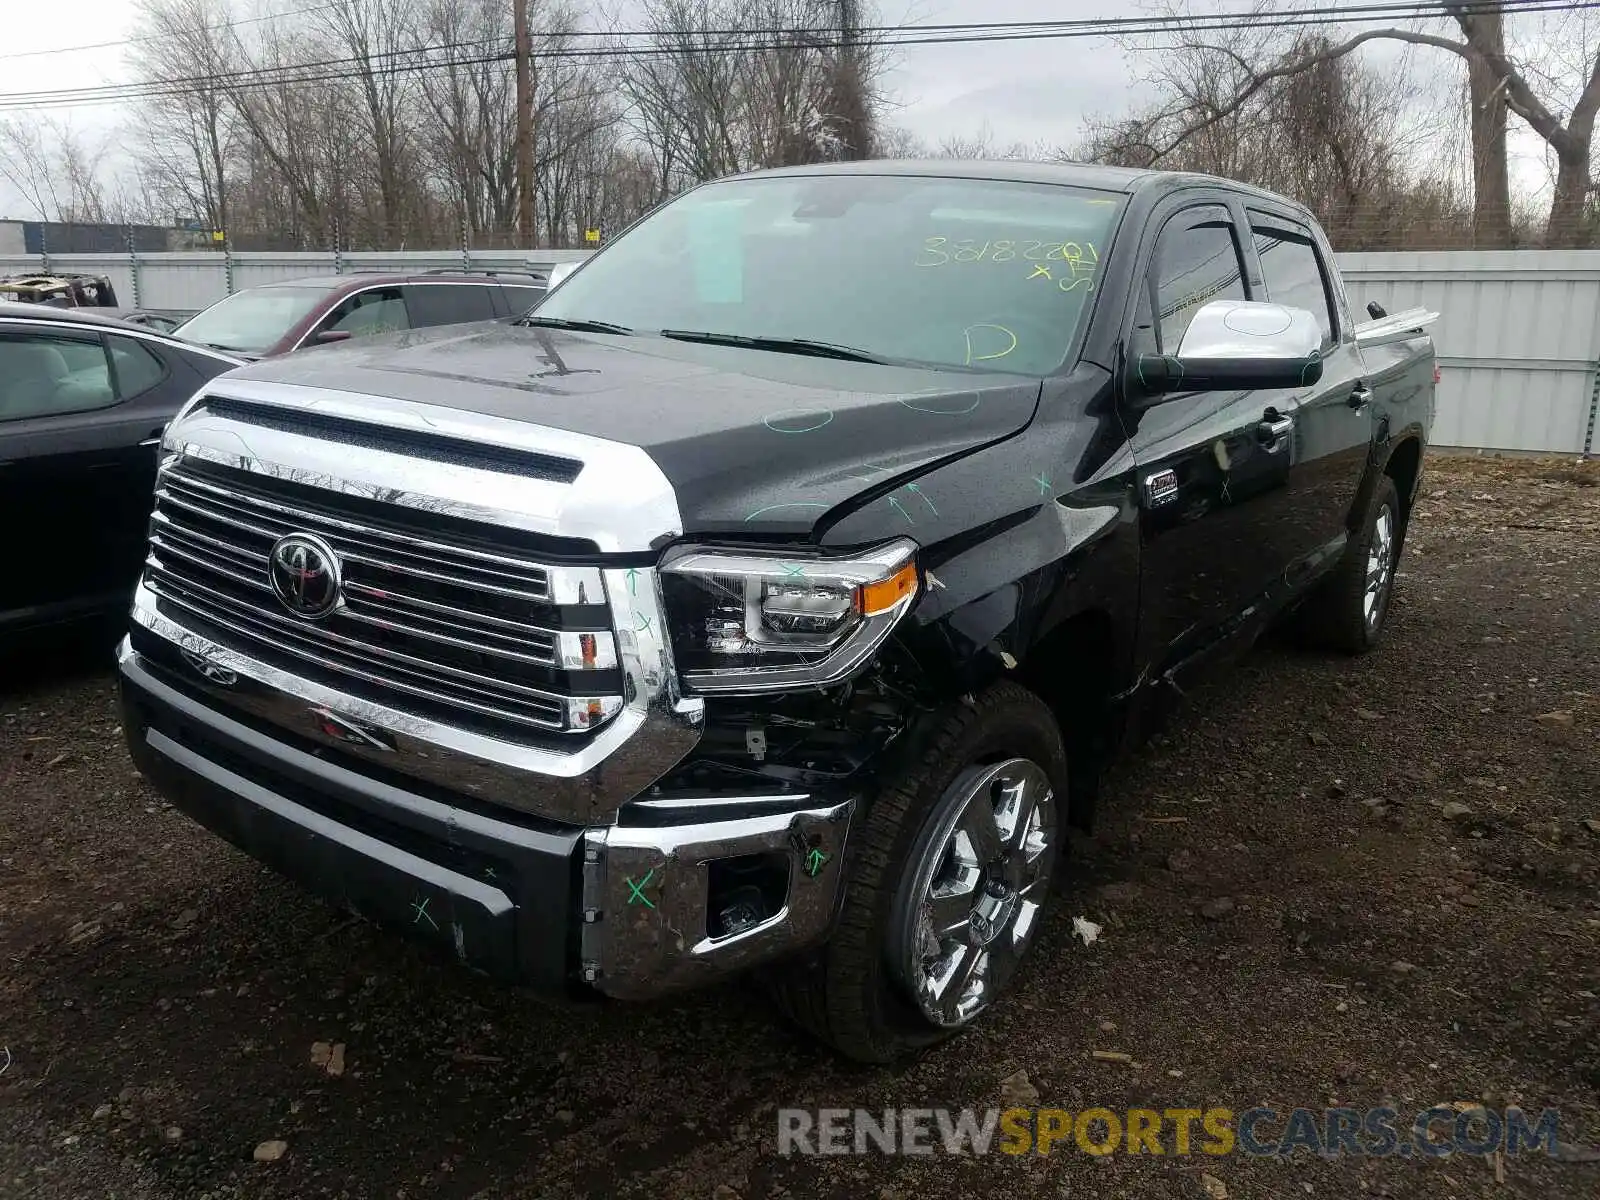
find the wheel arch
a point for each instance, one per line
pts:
(1075, 670)
(1404, 466)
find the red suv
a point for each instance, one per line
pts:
(276, 318)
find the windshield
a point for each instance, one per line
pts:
(251, 321)
(961, 273)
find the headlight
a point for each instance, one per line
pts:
(759, 623)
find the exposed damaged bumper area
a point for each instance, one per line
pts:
(671, 895)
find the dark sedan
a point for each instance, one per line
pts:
(83, 402)
(277, 318)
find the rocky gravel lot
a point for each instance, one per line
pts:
(1332, 881)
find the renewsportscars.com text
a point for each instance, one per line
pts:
(1258, 1132)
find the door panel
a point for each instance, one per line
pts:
(1213, 485)
(76, 482)
(1333, 424)
(56, 404)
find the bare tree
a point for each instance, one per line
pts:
(372, 34)
(1274, 109)
(26, 164)
(54, 169)
(732, 85)
(391, 122)
(1494, 77)
(896, 141)
(186, 140)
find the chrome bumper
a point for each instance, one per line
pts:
(646, 907)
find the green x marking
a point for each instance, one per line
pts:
(640, 622)
(421, 909)
(636, 890)
(1044, 484)
(791, 572)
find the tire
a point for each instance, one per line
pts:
(1349, 609)
(855, 992)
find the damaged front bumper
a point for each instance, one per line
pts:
(676, 906)
(673, 893)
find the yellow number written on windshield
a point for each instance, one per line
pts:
(937, 251)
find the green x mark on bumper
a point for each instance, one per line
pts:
(636, 890)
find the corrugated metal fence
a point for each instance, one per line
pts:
(1518, 334)
(1518, 339)
(193, 279)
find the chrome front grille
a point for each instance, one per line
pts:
(477, 634)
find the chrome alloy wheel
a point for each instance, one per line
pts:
(977, 889)
(1380, 565)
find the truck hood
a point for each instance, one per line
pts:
(753, 442)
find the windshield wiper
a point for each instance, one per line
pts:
(778, 345)
(574, 326)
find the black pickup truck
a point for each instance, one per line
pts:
(771, 596)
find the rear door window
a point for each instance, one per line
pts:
(1293, 271)
(137, 366)
(448, 303)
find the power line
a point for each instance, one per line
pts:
(157, 37)
(1373, 11)
(248, 77)
(410, 60)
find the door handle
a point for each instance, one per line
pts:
(1273, 429)
(150, 442)
(1360, 396)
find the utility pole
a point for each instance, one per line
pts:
(853, 120)
(526, 235)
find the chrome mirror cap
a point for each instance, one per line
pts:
(1250, 329)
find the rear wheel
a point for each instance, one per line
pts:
(1350, 607)
(948, 878)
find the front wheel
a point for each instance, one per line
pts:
(971, 896)
(948, 878)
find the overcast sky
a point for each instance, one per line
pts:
(1028, 91)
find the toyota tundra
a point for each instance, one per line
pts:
(773, 595)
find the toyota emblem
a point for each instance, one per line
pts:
(305, 575)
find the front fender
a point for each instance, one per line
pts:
(1018, 540)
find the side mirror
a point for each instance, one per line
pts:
(1237, 345)
(333, 335)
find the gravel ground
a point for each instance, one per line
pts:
(1261, 870)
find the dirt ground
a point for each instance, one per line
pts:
(161, 994)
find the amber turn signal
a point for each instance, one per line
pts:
(886, 593)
